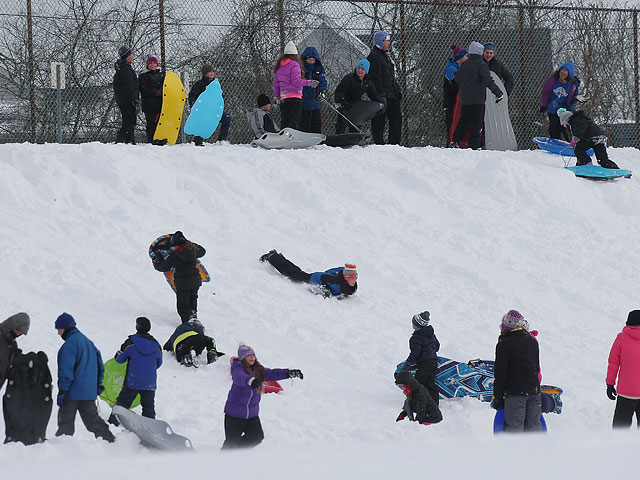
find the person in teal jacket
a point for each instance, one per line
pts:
(80, 374)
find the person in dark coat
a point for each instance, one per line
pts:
(449, 85)
(498, 67)
(80, 375)
(382, 74)
(260, 118)
(311, 120)
(419, 405)
(560, 91)
(150, 83)
(350, 91)
(472, 79)
(338, 281)
(516, 385)
(186, 277)
(586, 135)
(242, 427)
(188, 341)
(208, 76)
(10, 329)
(144, 355)
(424, 346)
(125, 89)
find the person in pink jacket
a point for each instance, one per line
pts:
(287, 86)
(624, 363)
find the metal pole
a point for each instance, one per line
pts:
(32, 71)
(636, 93)
(281, 23)
(403, 61)
(163, 63)
(523, 74)
(59, 102)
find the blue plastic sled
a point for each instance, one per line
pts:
(596, 172)
(206, 112)
(559, 147)
(498, 422)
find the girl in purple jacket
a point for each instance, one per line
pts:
(288, 84)
(242, 426)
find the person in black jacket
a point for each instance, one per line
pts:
(424, 346)
(586, 135)
(208, 76)
(186, 276)
(419, 405)
(150, 84)
(498, 67)
(382, 74)
(472, 79)
(10, 329)
(351, 89)
(125, 89)
(189, 340)
(516, 385)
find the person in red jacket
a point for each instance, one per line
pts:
(624, 364)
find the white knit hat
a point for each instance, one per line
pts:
(476, 48)
(290, 49)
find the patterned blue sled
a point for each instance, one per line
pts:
(498, 422)
(206, 112)
(596, 172)
(559, 147)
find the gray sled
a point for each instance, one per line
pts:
(498, 132)
(288, 138)
(152, 433)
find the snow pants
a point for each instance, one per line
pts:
(89, 415)
(556, 130)
(342, 125)
(151, 116)
(471, 120)
(290, 112)
(242, 432)
(311, 121)
(393, 113)
(147, 400)
(186, 303)
(522, 413)
(426, 376)
(625, 408)
(599, 148)
(197, 343)
(125, 134)
(288, 268)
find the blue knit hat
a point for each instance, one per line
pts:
(458, 52)
(380, 37)
(364, 64)
(489, 46)
(65, 321)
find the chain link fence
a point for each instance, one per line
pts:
(243, 38)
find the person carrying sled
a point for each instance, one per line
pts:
(450, 86)
(188, 341)
(80, 375)
(242, 427)
(150, 85)
(311, 120)
(516, 386)
(424, 346)
(144, 355)
(498, 67)
(559, 91)
(586, 135)
(125, 89)
(288, 84)
(10, 329)
(624, 364)
(338, 281)
(208, 76)
(472, 79)
(187, 280)
(260, 118)
(418, 405)
(350, 91)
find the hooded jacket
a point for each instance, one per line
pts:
(583, 127)
(125, 83)
(499, 69)
(80, 367)
(145, 357)
(313, 72)
(472, 78)
(351, 89)
(552, 99)
(183, 262)
(261, 122)
(288, 81)
(449, 85)
(517, 364)
(624, 362)
(8, 345)
(382, 73)
(423, 344)
(418, 406)
(150, 85)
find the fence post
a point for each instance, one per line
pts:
(636, 94)
(163, 62)
(32, 71)
(59, 102)
(523, 73)
(403, 61)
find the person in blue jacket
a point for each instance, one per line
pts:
(311, 120)
(189, 340)
(80, 373)
(145, 357)
(449, 85)
(338, 281)
(424, 346)
(560, 91)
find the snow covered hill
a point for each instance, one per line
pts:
(466, 235)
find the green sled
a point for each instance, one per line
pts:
(114, 374)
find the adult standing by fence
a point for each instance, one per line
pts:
(382, 73)
(498, 67)
(125, 89)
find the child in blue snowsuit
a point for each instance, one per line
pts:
(311, 120)
(424, 346)
(145, 357)
(338, 281)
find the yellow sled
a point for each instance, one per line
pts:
(173, 98)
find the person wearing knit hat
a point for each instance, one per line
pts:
(150, 83)
(242, 427)
(586, 134)
(10, 330)
(516, 386)
(144, 355)
(624, 366)
(423, 347)
(338, 281)
(383, 75)
(473, 78)
(450, 86)
(208, 76)
(288, 84)
(80, 375)
(260, 118)
(498, 67)
(126, 94)
(559, 91)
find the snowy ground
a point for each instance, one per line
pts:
(466, 235)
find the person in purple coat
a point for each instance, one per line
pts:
(288, 84)
(242, 426)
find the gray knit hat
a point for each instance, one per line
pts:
(564, 115)
(420, 320)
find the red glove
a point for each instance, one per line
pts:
(573, 141)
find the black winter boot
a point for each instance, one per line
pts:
(608, 164)
(267, 255)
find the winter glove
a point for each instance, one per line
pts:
(497, 403)
(402, 416)
(100, 389)
(573, 141)
(314, 84)
(60, 399)
(611, 392)
(499, 99)
(117, 354)
(256, 384)
(295, 373)
(543, 109)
